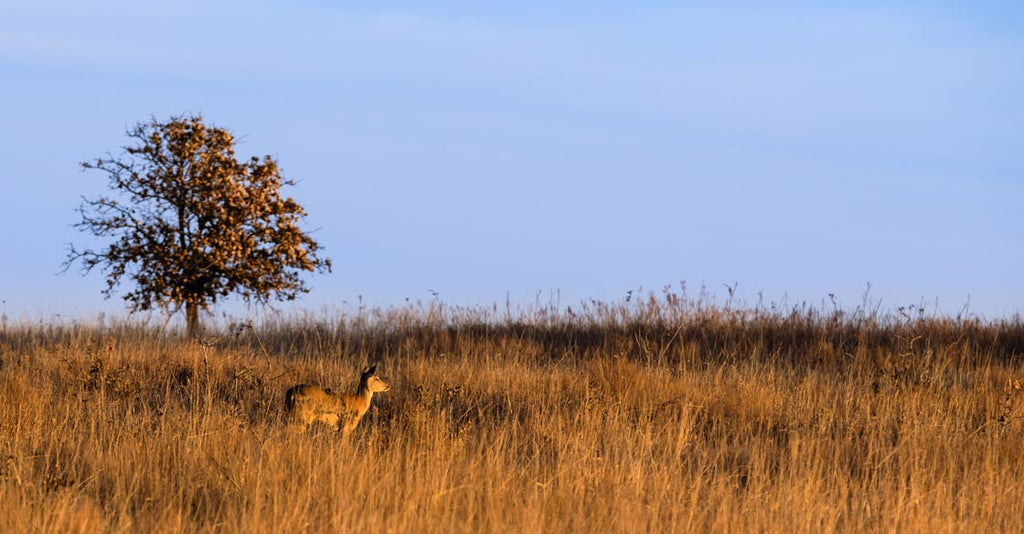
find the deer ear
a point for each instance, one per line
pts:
(371, 369)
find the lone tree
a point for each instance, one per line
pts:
(189, 223)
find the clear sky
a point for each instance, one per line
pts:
(482, 149)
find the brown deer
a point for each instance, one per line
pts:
(305, 403)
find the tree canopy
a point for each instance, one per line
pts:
(189, 223)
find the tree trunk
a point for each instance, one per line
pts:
(192, 319)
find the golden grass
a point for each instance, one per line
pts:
(655, 416)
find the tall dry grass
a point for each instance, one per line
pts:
(660, 415)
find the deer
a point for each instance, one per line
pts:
(306, 404)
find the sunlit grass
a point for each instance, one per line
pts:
(662, 415)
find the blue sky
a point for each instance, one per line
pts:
(794, 149)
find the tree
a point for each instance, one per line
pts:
(190, 224)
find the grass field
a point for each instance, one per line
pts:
(658, 414)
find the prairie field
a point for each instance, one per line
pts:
(657, 414)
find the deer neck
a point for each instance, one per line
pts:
(363, 398)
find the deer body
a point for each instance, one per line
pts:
(306, 404)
